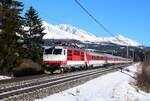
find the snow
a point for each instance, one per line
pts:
(116, 86)
(4, 77)
(54, 33)
(66, 31)
(126, 41)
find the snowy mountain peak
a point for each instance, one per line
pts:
(126, 40)
(67, 31)
(71, 29)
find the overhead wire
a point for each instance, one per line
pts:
(97, 21)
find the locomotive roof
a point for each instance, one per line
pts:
(65, 47)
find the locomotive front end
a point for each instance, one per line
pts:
(54, 57)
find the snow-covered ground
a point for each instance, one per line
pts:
(4, 77)
(116, 86)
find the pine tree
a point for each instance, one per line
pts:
(10, 24)
(33, 35)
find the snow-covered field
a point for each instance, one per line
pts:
(116, 86)
(4, 77)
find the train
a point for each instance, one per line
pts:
(70, 58)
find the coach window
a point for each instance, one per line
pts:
(69, 51)
(76, 52)
(93, 57)
(97, 57)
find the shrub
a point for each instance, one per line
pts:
(27, 67)
(143, 77)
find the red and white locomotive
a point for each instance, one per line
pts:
(67, 58)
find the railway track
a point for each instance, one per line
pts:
(11, 89)
(25, 81)
(23, 84)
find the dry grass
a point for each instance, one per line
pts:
(143, 77)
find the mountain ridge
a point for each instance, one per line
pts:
(67, 31)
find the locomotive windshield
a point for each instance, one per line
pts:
(48, 51)
(57, 51)
(53, 51)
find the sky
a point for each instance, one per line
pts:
(130, 18)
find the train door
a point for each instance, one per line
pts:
(82, 56)
(106, 59)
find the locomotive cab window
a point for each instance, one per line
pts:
(48, 51)
(64, 52)
(57, 51)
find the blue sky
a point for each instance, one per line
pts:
(130, 18)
